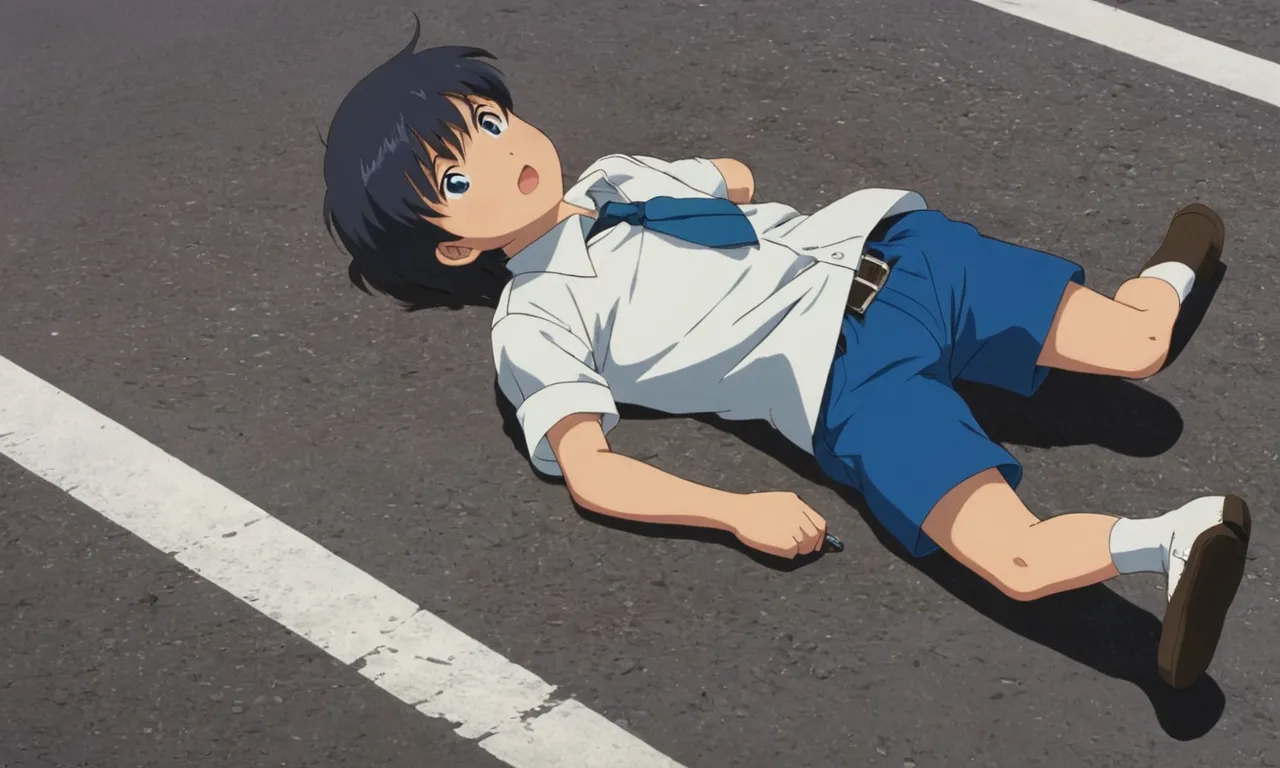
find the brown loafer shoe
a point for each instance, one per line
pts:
(1195, 238)
(1209, 572)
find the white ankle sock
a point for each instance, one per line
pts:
(1141, 546)
(1177, 274)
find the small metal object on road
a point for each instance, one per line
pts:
(832, 544)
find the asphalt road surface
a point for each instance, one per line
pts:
(163, 260)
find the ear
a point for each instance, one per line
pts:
(454, 255)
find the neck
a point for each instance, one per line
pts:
(542, 225)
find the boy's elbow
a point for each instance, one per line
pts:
(739, 181)
(578, 443)
(586, 478)
(581, 490)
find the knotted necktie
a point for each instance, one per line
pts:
(708, 221)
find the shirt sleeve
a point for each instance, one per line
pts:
(546, 372)
(695, 172)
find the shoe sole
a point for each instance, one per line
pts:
(1198, 609)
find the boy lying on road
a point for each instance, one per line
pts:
(661, 284)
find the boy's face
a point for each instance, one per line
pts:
(509, 177)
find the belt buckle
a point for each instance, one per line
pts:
(873, 286)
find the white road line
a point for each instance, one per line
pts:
(404, 649)
(1152, 42)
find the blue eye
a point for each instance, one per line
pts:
(492, 123)
(456, 184)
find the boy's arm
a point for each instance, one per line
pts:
(611, 484)
(722, 177)
(565, 408)
(738, 179)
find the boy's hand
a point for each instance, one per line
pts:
(611, 484)
(778, 523)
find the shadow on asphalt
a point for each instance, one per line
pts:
(1093, 626)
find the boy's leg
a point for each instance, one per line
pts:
(1023, 556)
(909, 443)
(1129, 335)
(1200, 546)
(896, 430)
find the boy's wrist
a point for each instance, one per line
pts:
(724, 509)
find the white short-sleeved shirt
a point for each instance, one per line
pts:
(637, 317)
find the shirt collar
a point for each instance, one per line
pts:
(563, 250)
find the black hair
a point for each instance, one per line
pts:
(386, 130)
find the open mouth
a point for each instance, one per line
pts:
(528, 180)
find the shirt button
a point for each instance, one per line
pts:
(837, 255)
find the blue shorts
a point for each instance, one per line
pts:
(957, 305)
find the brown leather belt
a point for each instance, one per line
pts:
(872, 274)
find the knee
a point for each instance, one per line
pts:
(1146, 350)
(1018, 580)
(1146, 355)
(1010, 563)
(1145, 334)
(1140, 343)
(985, 526)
